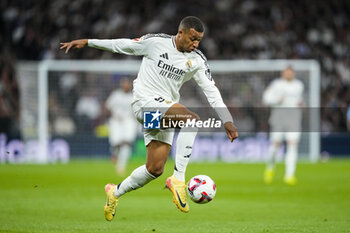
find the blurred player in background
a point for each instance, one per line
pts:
(168, 62)
(285, 96)
(122, 124)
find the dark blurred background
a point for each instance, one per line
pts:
(236, 29)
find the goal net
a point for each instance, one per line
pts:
(56, 125)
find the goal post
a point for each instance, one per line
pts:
(229, 73)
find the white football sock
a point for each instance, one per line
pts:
(123, 157)
(138, 178)
(270, 163)
(291, 159)
(184, 145)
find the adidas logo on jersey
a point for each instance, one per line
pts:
(165, 55)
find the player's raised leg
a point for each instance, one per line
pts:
(176, 183)
(157, 154)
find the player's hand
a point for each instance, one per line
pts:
(231, 131)
(75, 44)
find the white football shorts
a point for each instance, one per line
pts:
(288, 136)
(121, 131)
(153, 104)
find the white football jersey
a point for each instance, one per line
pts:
(164, 69)
(283, 93)
(285, 98)
(119, 103)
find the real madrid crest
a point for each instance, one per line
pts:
(189, 64)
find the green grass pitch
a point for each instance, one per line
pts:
(70, 198)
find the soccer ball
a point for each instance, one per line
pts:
(201, 189)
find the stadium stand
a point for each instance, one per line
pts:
(32, 30)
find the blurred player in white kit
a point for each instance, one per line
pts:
(122, 124)
(285, 96)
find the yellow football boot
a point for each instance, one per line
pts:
(111, 203)
(178, 189)
(292, 180)
(269, 174)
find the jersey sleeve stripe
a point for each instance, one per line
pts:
(173, 41)
(162, 35)
(201, 54)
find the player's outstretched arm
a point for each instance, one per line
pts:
(75, 44)
(231, 131)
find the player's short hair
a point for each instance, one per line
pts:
(192, 22)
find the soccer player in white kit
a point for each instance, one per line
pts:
(285, 96)
(122, 124)
(168, 62)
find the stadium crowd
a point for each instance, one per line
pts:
(236, 29)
